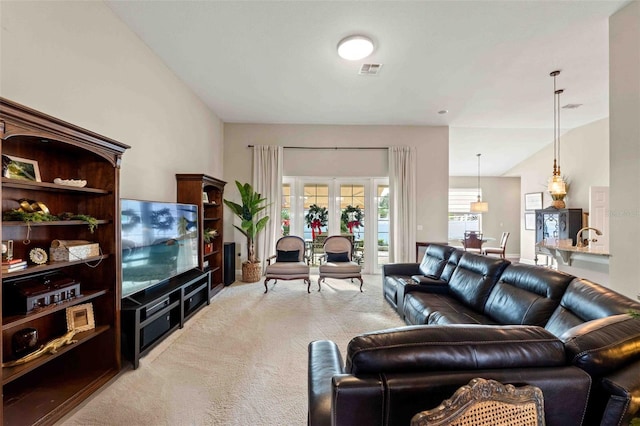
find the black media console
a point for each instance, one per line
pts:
(151, 315)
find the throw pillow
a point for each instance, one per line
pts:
(338, 257)
(287, 256)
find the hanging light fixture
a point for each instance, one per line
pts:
(557, 186)
(479, 206)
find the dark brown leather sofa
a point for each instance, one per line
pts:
(476, 316)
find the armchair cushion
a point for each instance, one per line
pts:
(288, 256)
(287, 269)
(338, 257)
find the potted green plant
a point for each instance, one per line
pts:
(250, 226)
(208, 235)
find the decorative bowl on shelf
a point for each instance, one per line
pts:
(79, 183)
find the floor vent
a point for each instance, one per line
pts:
(370, 69)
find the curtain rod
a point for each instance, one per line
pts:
(330, 147)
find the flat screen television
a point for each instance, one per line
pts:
(159, 241)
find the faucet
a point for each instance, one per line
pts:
(580, 242)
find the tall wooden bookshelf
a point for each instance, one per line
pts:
(45, 389)
(207, 193)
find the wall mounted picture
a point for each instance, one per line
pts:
(533, 201)
(20, 168)
(530, 221)
(80, 318)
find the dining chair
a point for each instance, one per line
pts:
(472, 242)
(500, 251)
(487, 403)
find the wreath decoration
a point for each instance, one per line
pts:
(162, 219)
(316, 218)
(352, 217)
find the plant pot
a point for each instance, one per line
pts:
(251, 272)
(208, 248)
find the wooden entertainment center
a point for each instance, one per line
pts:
(150, 316)
(207, 193)
(70, 301)
(45, 389)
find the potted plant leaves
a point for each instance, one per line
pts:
(250, 225)
(208, 235)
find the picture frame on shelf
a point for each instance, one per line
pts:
(20, 168)
(529, 221)
(7, 250)
(533, 201)
(80, 318)
(205, 197)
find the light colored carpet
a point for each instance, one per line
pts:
(243, 359)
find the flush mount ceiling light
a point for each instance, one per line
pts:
(355, 47)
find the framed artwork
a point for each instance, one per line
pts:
(530, 221)
(205, 197)
(80, 317)
(20, 168)
(533, 201)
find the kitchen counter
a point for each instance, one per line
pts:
(567, 254)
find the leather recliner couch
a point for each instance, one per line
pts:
(476, 316)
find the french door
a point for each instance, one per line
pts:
(355, 207)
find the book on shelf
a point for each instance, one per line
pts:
(14, 267)
(11, 261)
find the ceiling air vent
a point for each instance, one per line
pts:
(572, 106)
(370, 69)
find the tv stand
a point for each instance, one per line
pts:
(151, 315)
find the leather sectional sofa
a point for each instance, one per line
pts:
(472, 316)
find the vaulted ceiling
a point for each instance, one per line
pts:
(486, 62)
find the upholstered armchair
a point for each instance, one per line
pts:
(290, 262)
(337, 261)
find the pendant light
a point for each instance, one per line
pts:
(479, 206)
(557, 186)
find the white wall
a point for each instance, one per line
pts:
(502, 193)
(432, 145)
(624, 110)
(78, 62)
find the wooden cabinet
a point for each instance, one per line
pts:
(207, 193)
(45, 389)
(558, 224)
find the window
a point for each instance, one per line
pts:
(314, 194)
(285, 213)
(460, 218)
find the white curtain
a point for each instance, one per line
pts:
(402, 211)
(267, 180)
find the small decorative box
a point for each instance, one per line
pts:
(70, 250)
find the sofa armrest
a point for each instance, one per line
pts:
(426, 287)
(623, 387)
(358, 400)
(325, 362)
(603, 345)
(407, 269)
